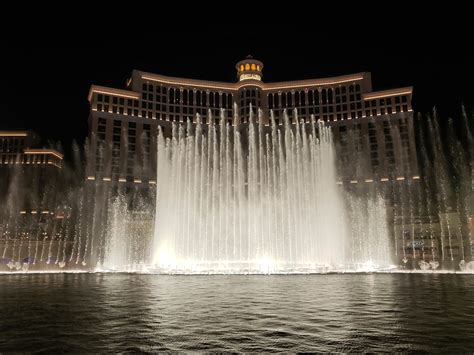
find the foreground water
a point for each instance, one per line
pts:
(337, 312)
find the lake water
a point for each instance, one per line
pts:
(333, 312)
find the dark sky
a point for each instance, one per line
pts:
(46, 79)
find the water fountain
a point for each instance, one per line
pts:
(266, 204)
(253, 198)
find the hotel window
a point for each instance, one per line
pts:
(115, 100)
(397, 99)
(357, 87)
(343, 90)
(106, 98)
(311, 97)
(100, 97)
(405, 108)
(404, 99)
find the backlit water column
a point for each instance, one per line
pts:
(269, 203)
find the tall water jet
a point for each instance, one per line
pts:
(264, 201)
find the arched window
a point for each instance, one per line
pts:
(171, 96)
(270, 101)
(216, 99)
(357, 87)
(351, 88)
(330, 96)
(254, 67)
(276, 100)
(241, 67)
(247, 66)
(303, 98)
(211, 99)
(316, 97)
(311, 97)
(283, 100)
(178, 96)
(289, 99)
(324, 97)
(229, 100)
(204, 98)
(258, 67)
(297, 98)
(191, 97)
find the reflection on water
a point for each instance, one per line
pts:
(123, 312)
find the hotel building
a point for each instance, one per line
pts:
(27, 170)
(371, 126)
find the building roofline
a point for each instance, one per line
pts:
(14, 133)
(407, 90)
(112, 91)
(44, 151)
(265, 86)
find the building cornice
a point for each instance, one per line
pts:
(13, 133)
(236, 86)
(407, 90)
(112, 91)
(44, 151)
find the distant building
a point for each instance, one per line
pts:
(27, 170)
(373, 127)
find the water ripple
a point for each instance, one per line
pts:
(150, 313)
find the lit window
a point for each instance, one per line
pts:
(247, 66)
(253, 67)
(258, 67)
(242, 67)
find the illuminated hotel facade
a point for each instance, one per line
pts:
(374, 126)
(28, 173)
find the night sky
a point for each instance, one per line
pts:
(46, 79)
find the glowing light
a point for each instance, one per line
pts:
(90, 178)
(250, 77)
(266, 265)
(106, 179)
(400, 178)
(416, 177)
(384, 179)
(354, 181)
(369, 180)
(12, 134)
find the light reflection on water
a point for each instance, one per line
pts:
(337, 312)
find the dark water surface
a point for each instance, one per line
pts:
(123, 312)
